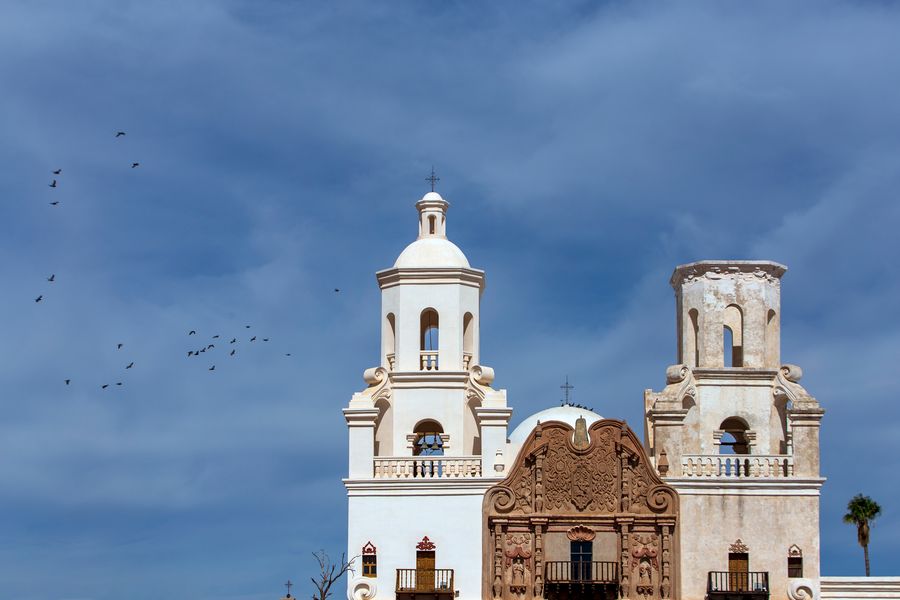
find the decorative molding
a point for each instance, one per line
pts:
(363, 588)
(787, 386)
(425, 544)
(605, 482)
(795, 551)
(369, 548)
(801, 588)
(739, 547)
(748, 270)
(580, 533)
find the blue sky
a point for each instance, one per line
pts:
(586, 148)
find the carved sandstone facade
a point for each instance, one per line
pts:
(603, 491)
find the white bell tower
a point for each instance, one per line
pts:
(427, 437)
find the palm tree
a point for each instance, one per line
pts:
(862, 510)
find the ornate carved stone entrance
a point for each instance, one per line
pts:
(582, 514)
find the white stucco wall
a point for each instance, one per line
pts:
(395, 520)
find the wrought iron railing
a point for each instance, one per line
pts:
(425, 580)
(738, 582)
(581, 571)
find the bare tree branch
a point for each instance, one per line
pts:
(329, 573)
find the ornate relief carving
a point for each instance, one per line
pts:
(479, 383)
(739, 547)
(608, 484)
(787, 386)
(580, 533)
(379, 384)
(644, 546)
(369, 548)
(518, 545)
(795, 551)
(425, 544)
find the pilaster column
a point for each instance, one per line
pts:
(805, 423)
(493, 423)
(361, 430)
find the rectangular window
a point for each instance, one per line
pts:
(582, 555)
(369, 565)
(795, 566)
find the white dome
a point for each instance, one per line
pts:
(566, 414)
(432, 252)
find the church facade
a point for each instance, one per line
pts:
(717, 498)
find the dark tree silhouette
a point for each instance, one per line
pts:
(861, 511)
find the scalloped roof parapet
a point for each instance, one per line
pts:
(763, 269)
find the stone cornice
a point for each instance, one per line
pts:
(716, 269)
(470, 486)
(740, 375)
(787, 486)
(433, 379)
(431, 276)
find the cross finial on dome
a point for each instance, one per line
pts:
(432, 179)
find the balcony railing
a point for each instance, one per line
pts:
(429, 581)
(581, 572)
(428, 360)
(736, 584)
(427, 467)
(734, 466)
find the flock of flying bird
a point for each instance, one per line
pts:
(203, 349)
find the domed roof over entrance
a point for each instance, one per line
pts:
(567, 414)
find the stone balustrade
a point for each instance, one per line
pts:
(427, 467)
(428, 360)
(735, 466)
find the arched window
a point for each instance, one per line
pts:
(772, 341)
(692, 348)
(390, 341)
(468, 339)
(734, 436)
(429, 340)
(428, 439)
(733, 336)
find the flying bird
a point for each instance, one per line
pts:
(337, 290)
(104, 386)
(212, 368)
(53, 184)
(39, 298)
(57, 172)
(54, 203)
(231, 353)
(210, 346)
(233, 340)
(119, 346)
(192, 332)
(287, 354)
(215, 337)
(120, 133)
(265, 339)
(131, 364)
(52, 278)
(68, 381)
(118, 383)
(253, 339)
(190, 352)
(135, 165)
